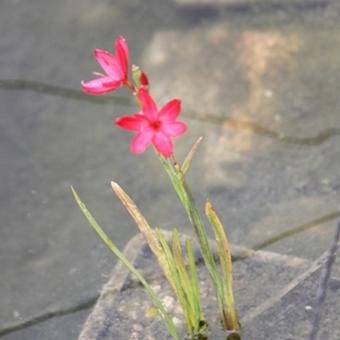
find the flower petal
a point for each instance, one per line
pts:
(170, 111)
(174, 129)
(141, 141)
(122, 54)
(100, 85)
(110, 64)
(134, 123)
(149, 107)
(163, 144)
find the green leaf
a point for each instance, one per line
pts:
(178, 181)
(107, 241)
(177, 284)
(194, 279)
(184, 278)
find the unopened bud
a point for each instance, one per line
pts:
(139, 78)
(143, 79)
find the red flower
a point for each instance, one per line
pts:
(153, 126)
(114, 66)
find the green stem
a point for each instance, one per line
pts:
(178, 181)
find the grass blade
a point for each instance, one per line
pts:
(194, 279)
(177, 284)
(187, 161)
(144, 228)
(178, 181)
(184, 280)
(107, 241)
(229, 313)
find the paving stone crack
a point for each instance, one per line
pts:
(319, 138)
(48, 314)
(59, 91)
(295, 230)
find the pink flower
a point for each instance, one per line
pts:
(114, 66)
(153, 126)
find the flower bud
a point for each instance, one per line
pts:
(139, 78)
(144, 80)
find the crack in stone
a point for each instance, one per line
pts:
(47, 315)
(40, 87)
(292, 231)
(22, 84)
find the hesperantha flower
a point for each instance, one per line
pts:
(152, 126)
(114, 66)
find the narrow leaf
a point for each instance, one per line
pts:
(179, 260)
(194, 279)
(178, 181)
(190, 155)
(107, 241)
(143, 226)
(177, 284)
(184, 277)
(230, 316)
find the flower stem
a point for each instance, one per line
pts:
(178, 181)
(129, 84)
(223, 283)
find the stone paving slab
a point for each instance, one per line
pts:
(289, 314)
(120, 311)
(49, 257)
(246, 78)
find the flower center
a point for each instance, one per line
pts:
(156, 125)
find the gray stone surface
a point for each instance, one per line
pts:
(49, 257)
(121, 312)
(291, 318)
(289, 314)
(275, 152)
(279, 68)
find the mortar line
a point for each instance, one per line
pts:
(292, 231)
(59, 91)
(49, 314)
(23, 84)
